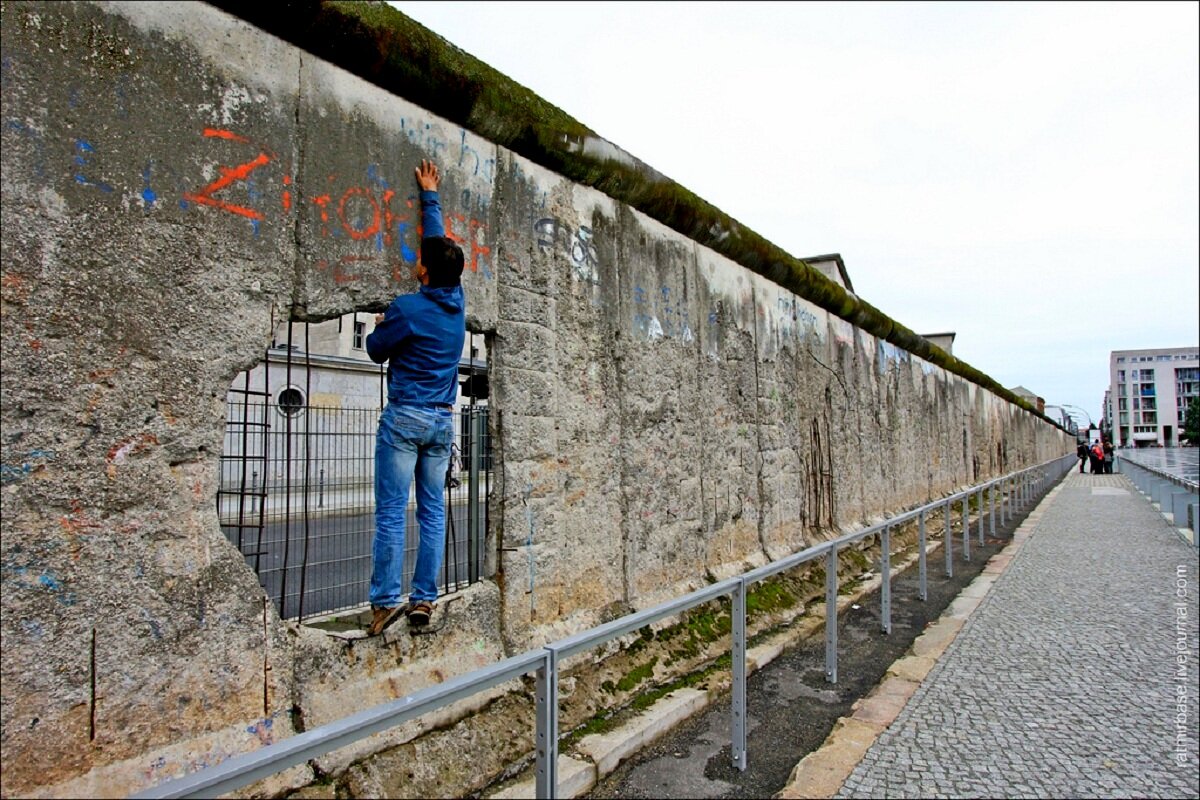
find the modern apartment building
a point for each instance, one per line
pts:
(1149, 391)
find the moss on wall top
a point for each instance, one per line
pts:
(382, 45)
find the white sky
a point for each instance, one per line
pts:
(1025, 175)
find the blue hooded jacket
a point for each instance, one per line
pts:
(422, 334)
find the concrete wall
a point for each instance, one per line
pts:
(174, 179)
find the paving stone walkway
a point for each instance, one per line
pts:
(1076, 677)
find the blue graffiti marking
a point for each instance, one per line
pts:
(81, 160)
(406, 252)
(465, 148)
(376, 177)
(10, 473)
(148, 194)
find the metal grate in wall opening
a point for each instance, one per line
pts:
(296, 490)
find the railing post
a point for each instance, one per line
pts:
(1000, 500)
(475, 535)
(921, 566)
(1005, 501)
(966, 528)
(738, 742)
(547, 726)
(885, 568)
(831, 615)
(992, 507)
(980, 506)
(948, 543)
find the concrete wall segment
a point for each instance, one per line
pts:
(385, 47)
(112, 554)
(176, 183)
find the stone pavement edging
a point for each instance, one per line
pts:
(822, 772)
(604, 752)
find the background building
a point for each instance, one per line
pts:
(1038, 402)
(1149, 392)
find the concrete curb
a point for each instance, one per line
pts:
(822, 772)
(604, 752)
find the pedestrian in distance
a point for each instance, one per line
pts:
(1082, 453)
(1107, 446)
(420, 336)
(1097, 458)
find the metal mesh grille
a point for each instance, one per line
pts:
(296, 497)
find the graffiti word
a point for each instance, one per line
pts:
(793, 320)
(371, 213)
(579, 246)
(660, 314)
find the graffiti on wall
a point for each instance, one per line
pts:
(553, 235)
(660, 313)
(249, 180)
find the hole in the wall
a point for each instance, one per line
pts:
(296, 486)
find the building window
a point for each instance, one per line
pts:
(360, 332)
(290, 401)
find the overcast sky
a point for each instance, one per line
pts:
(1025, 175)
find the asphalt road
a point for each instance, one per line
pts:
(337, 551)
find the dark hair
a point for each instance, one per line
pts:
(443, 260)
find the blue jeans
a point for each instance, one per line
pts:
(412, 441)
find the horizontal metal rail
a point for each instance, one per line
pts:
(1177, 496)
(1179, 480)
(241, 770)
(1016, 490)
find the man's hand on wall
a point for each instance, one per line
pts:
(427, 176)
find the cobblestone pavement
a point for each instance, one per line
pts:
(1077, 675)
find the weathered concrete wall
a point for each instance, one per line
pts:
(174, 181)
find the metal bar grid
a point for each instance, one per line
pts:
(308, 486)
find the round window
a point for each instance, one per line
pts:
(290, 401)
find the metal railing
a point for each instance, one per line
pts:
(1004, 496)
(1176, 495)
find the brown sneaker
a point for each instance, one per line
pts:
(420, 612)
(382, 617)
